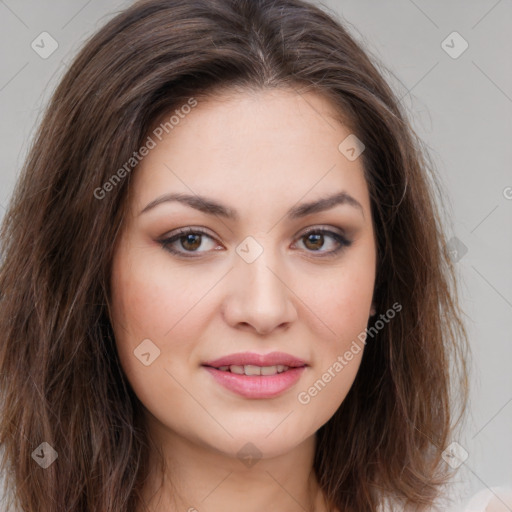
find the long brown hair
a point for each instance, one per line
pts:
(61, 381)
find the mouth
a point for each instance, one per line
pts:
(251, 370)
(255, 375)
(252, 359)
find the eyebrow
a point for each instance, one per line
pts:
(212, 207)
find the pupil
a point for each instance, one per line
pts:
(190, 239)
(316, 238)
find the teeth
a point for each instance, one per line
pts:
(250, 369)
(269, 370)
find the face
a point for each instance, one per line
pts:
(252, 272)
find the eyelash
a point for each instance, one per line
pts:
(166, 243)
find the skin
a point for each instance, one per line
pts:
(260, 153)
(495, 499)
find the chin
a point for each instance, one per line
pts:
(259, 443)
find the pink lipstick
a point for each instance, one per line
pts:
(254, 375)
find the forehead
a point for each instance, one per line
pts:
(252, 147)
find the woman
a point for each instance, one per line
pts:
(225, 277)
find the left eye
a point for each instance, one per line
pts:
(316, 237)
(192, 239)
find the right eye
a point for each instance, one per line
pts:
(189, 240)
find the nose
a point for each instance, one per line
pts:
(258, 297)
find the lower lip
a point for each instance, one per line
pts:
(257, 386)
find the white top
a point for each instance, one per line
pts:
(493, 499)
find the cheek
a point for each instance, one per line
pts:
(349, 306)
(155, 310)
(352, 291)
(339, 302)
(149, 300)
(342, 303)
(337, 356)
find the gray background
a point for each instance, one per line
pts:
(461, 107)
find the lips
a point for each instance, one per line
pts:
(254, 375)
(253, 359)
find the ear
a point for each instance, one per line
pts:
(373, 311)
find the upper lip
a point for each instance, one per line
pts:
(252, 358)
